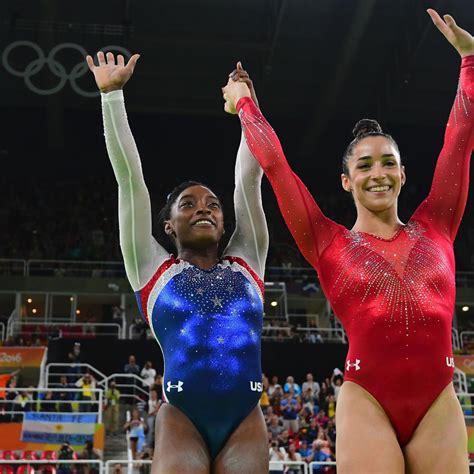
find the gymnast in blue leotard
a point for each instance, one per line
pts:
(205, 308)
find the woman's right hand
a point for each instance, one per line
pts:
(111, 74)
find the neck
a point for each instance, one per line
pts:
(203, 258)
(383, 224)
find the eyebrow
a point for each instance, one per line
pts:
(368, 157)
(190, 196)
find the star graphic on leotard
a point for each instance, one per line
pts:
(220, 340)
(229, 289)
(200, 291)
(252, 332)
(217, 302)
(183, 331)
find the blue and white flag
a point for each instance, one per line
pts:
(57, 428)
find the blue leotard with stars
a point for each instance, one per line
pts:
(208, 325)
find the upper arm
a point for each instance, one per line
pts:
(141, 252)
(250, 238)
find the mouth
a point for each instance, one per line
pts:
(379, 189)
(203, 222)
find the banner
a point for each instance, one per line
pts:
(57, 428)
(12, 358)
(465, 363)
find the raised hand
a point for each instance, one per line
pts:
(232, 93)
(459, 38)
(239, 74)
(111, 74)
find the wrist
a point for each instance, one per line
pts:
(106, 90)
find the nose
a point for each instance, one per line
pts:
(378, 171)
(203, 209)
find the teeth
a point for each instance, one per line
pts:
(203, 221)
(379, 189)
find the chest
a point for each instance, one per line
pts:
(410, 272)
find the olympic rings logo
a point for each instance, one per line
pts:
(54, 66)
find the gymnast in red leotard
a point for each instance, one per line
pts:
(391, 284)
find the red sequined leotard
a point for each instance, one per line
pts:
(395, 297)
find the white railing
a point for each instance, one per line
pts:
(75, 268)
(52, 462)
(276, 465)
(114, 328)
(455, 339)
(117, 269)
(460, 382)
(67, 370)
(13, 317)
(138, 393)
(98, 403)
(288, 333)
(12, 267)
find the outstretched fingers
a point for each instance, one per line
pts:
(132, 63)
(110, 59)
(101, 58)
(90, 62)
(440, 23)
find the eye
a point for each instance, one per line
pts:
(215, 205)
(390, 163)
(363, 166)
(186, 204)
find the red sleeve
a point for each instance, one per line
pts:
(310, 228)
(444, 206)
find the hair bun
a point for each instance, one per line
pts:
(366, 126)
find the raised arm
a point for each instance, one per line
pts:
(310, 228)
(250, 238)
(141, 253)
(445, 204)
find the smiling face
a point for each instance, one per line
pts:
(375, 174)
(196, 219)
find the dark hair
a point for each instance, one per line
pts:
(165, 213)
(362, 129)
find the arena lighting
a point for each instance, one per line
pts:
(273, 303)
(78, 311)
(465, 308)
(71, 298)
(29, 300)
(34, 310)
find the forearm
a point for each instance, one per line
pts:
(448, 195)
(250, 239)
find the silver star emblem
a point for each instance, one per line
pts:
(229, 289)
(183, 331)
(220, 340)
(200, 291)
(217, 302)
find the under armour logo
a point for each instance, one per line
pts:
(179, 386)
(450, 361)
(355, 365)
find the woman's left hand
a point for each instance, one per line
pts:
(459, 38)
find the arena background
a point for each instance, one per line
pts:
(317, 66)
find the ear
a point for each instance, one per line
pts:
(169, 228)
(404, 176)
(346, 184)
